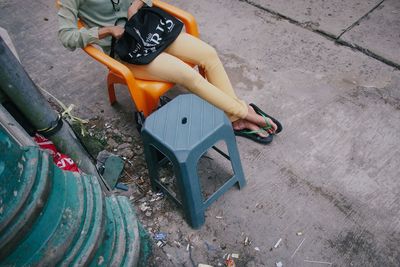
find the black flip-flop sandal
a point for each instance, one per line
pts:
(262, 113)
(253, 135)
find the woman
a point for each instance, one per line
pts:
(100, 17)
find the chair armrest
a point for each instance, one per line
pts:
(187, 18)
(121, 69)
(111, 63)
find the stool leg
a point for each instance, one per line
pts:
(190, 190)
(152, 164)
(235, 160)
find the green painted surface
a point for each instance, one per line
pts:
(52, 217)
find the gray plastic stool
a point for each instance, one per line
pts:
(183, 130)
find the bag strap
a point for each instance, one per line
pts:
(112, 51)
(113, 40)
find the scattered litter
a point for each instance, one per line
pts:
(148, 213)
(131, 198)
(218, 217)
(230, 263)
(219, 264)
(187, 247)
(257, 248)
(203, 265)
(177, 243)
(122, 186)
(298, 247)
(144, 207)
(100, 260)
(320, 262)
(157, 197)
(160, 236)
(143, 200)
(247, 241)
(299, 233)
(279, 264)
(160, 244)
(235, 255)
(115, 150)
(277, 243)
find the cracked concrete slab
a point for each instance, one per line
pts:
(331, 17)
(331, 174)
(379, 32)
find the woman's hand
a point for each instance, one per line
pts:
(115, 31)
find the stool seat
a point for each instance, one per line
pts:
(183, 130)
(185, 123)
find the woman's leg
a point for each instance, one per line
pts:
(193, 50)
(166, 67)
(217, 90)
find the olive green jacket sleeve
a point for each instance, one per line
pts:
(68, 32)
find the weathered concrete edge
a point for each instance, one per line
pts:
(335, 38)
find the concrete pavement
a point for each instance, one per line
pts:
(333, 174)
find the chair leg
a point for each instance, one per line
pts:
(150, 104)
(111, 90)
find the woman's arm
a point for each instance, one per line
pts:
(71, 36)
(115, 31)
(68, 32)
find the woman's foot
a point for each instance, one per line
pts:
(260, 121)
(243, 124)
(251, 131)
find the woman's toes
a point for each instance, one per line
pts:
(255, 127)
(244, 124)
(273, 125)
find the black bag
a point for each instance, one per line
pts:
(146, 35)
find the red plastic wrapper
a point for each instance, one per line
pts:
(62, 161)
(230, 263)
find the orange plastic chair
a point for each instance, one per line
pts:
(145, 94)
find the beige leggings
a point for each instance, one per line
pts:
(170, 66)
